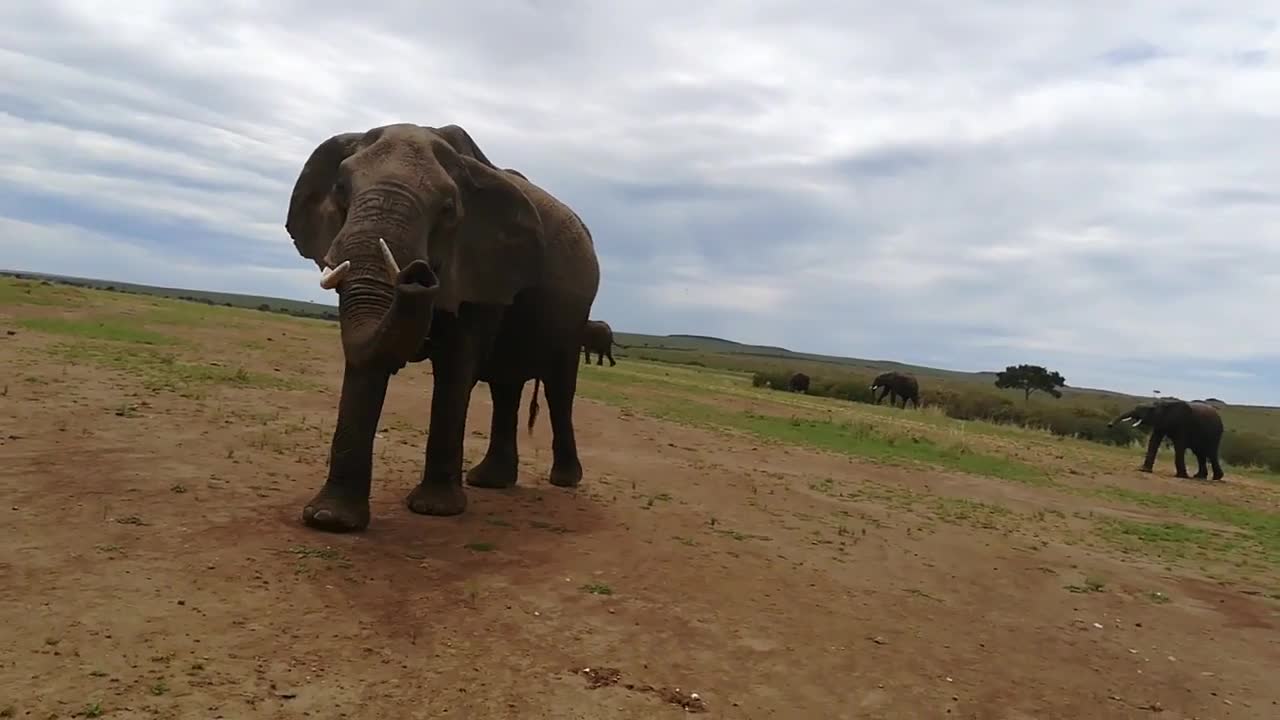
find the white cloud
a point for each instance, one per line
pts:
(1085, 184)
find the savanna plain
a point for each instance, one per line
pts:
(732, 552)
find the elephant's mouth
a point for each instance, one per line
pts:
(377, 328)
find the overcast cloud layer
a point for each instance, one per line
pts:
(1093, 186)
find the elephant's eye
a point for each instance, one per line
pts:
(341, 191)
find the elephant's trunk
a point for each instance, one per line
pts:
(384, 312)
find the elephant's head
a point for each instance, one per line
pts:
(1159, 414)
(404, 220)
(881, 380)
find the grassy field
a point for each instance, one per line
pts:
(158, 453)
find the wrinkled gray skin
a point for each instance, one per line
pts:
(497, 279)
(597, 337)
(896, 385)
(1190, 425)
(799, 383)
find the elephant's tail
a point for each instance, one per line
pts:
(533, 404)
(615, 342)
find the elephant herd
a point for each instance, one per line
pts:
(896, 385)
(1195, 425)
(438, 254)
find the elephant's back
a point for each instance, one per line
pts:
(568, 248)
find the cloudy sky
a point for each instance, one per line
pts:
(1093, 186)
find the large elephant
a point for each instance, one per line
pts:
(896, 385)
(799, 383)
(436, 253)
(1195, 425)
(597, 337)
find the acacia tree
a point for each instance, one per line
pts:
(1029, 379)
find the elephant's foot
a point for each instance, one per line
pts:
(494, 474)
(331, 512)
(1182, 475)
(566, 475)
(439, 499)
(1144, 468)
(1217, 477)
(1202, 475)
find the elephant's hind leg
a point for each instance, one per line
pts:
(500, 466)
(1213, 458)
(561, 384)
(1202, 470)
(1180, 459)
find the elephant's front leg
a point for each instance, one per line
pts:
(342, 505)
(459, 348)
(1153, 445)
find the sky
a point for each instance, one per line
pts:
(1090, 186)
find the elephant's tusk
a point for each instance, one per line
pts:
(1136, 422)
(393, 270)
(331, 277)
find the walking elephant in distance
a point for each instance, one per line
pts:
(597, 337)
(438, 254)
(799, 383)
(1190, 425)
(896, 385)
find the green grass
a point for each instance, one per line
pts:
(1263, 528)
(948, 510)
(856, 438)
(1169, 540)
(25, 292)
(112, 329)
(597, 589)
(164, 372)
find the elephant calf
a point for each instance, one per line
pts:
(1195, 425)
(897, 385)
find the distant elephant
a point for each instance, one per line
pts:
(896, 385)
(1195, 425)
(437, 254)
(799, 383)
(597, 337)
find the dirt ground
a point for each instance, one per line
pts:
(154, 566)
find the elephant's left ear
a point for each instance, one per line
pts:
(314, 220)
(497, 249)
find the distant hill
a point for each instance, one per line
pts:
(291, 307)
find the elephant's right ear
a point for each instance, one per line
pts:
(314, 217)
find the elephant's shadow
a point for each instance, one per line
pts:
(527, 526)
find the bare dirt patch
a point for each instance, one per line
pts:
(154, 564)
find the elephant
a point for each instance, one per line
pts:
(799, 383)
(437, 254)
(897, 385)
(597, 337)
(1195, 425)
